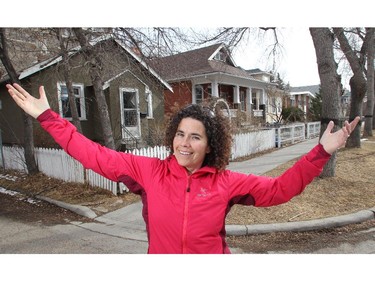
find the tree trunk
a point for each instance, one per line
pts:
(357, 85)
(28, 145)
(68, 80)
(330, 86)
(95, 74)
(370, 83)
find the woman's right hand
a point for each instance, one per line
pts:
(31, 105)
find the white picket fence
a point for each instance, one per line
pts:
(253, 142)
(58, 164)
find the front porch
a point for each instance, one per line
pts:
(247, 104)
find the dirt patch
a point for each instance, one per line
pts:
(98, 199)
(33, 211)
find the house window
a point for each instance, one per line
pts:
(130, 107)
(223, 95)
(274, 105)
(198, 94)
(64, 105)
(220, 56)
(255, 102)
(130, 115)
(292, 101)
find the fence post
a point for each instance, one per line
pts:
(278, 137)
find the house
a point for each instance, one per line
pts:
(301, 97)
(210, 74)
(134, 94)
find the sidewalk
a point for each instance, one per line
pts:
(128, 223)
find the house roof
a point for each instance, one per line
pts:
(311, 90)
(49, 62)
(257, 71)
(197, 62)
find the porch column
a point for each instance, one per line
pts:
(193, 95)
(215, 89)
(263, 97)
(248, 99)
(236, 94)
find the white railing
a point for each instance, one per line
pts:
(290, 134)
(296, 132)
(58, 164)
(312, 130)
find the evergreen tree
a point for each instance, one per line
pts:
(315, 109)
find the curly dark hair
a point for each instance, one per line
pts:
(217, 129)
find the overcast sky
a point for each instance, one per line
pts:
(296, 62)
(296, 65)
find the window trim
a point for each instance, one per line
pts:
(137, 129)
(81, 96)
(150, 109)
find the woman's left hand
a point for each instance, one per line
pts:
(332, 141)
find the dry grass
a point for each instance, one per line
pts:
(352, 189)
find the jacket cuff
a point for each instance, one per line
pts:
(318, 156)
(47, 114)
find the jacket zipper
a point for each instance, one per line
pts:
(185, 219)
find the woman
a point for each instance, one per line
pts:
(187, 196)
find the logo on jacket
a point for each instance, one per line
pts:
(203, 193)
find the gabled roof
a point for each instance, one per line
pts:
(257, 71)
(197, 62)
(311, 90)
(52, 61)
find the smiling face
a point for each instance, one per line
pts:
(190, 144)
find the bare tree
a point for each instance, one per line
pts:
(95, 68)
(357, 82)
(233, 36)
(63, 42)
(323, 40)
(275, 98)
(370, 82)
(156, 41)
(29, 150)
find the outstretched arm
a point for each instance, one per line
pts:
(31, 105)
(332, 141)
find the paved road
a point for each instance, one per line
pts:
(21, 238)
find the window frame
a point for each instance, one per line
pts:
(135, 130)
(200, 88)
(80, 96)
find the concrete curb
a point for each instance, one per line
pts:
(80, 210)
(325, 223)
(243, 230)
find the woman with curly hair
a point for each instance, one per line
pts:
(216, 129)
(187, 196)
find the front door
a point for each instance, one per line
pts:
(130, 118)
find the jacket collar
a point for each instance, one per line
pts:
(180, 171)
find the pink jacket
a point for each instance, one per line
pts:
(184, 213)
